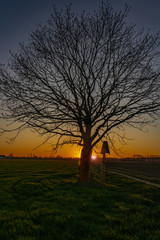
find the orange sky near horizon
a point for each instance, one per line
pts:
(142, 143)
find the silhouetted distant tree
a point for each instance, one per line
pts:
(81, 76)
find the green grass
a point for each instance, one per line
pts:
(42, 200)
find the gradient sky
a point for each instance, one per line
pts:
(19, 17)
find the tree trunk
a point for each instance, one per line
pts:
(85, 163)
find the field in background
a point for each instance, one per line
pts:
(42, 200)
(144, 170)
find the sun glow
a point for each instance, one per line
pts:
(93, 157)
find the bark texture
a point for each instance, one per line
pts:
(85, 163)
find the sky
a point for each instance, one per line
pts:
(19, 17)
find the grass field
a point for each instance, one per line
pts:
(149, 171)
(42, 200)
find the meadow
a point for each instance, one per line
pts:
(43, 200)
(149, 171)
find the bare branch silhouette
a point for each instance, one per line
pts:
(82, 76)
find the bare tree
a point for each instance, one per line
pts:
(82, 75)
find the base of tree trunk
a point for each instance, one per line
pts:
(84, 171)
(85, 164)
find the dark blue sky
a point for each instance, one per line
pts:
(19, 17)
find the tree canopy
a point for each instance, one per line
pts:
(82, 75)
